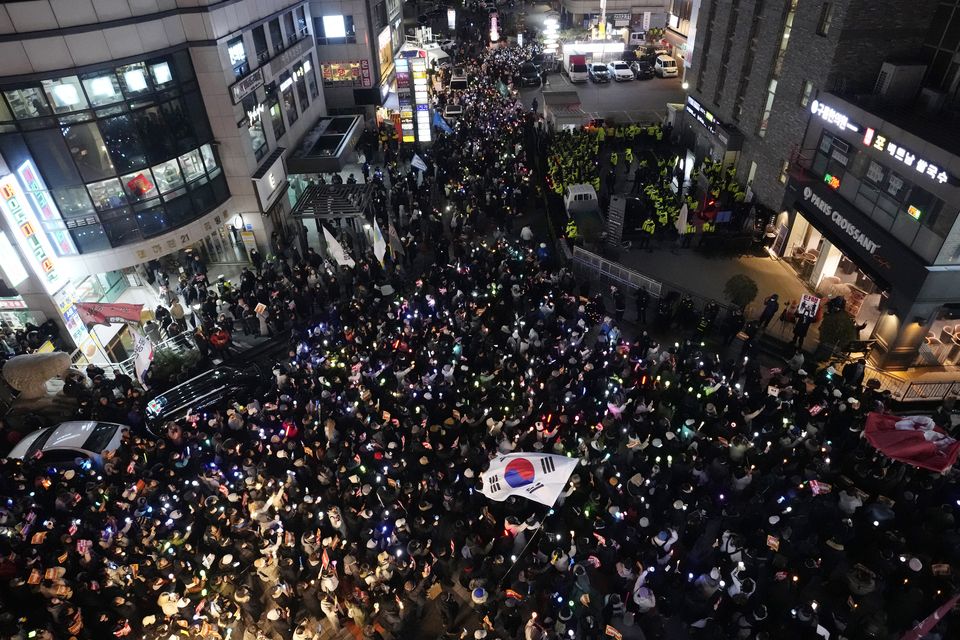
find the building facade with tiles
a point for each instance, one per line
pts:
(824, 110)
(137, 133)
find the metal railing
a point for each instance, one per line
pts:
(590, 265)
(903, 390)
(180, 343)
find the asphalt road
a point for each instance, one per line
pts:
(634, 100)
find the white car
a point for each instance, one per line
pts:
(68, 441)
(620, 71)
(447, 45)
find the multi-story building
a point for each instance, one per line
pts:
(356, 41)
(820, 108)
(134, 131)
(620, 14)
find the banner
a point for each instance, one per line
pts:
(395, 245)
(142, 353)
(92, 313)
(379, 244)
(540, 477)
(440, 123)
(914, 440)
(336, 250)
(418, 163)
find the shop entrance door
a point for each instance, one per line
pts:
(223, 246)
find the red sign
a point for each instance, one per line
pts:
(140, 184)
(92, 313)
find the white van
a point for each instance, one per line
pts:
(665, 67)
(577, 68)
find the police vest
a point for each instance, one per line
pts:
(649, 226)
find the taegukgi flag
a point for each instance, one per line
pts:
(537, 476)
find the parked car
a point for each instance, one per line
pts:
(70, 442)
(200, 392)
(666, 67)
(598, 72)
(576, 68)
(529, 75)
(620, 71)
(642, 70)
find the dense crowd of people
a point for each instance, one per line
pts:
(714, 498)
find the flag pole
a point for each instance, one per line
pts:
(525, 547)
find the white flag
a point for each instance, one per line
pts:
(418, 163)
(540, 477)
(379, 244)
(336, 250)
(142, 353)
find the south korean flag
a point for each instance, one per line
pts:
(540, 477)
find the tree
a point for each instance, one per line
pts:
(740, 290)
(838, 329)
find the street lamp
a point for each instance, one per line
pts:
(685, 86)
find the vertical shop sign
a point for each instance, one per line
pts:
(365, 73)
(23, 220)
(47, 210)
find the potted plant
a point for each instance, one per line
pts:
(837, 330)
(740, 290)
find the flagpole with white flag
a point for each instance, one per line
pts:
(682, 219)
(142, 353)
(379, 244)
(540, 477)
(336, 250)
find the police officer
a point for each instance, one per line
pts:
(648, 229)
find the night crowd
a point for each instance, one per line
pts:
(714, 499)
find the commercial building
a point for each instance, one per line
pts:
(832, 115)
(135, 133)
(356, 42)
(636, 15)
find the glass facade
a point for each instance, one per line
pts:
(125, 152)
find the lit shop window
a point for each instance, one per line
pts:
(342, 74)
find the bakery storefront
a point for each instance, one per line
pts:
(839, 251)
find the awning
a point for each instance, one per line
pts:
(333, 201)
(328, 146)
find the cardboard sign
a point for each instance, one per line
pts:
(260, 308)
(613, 633)
(809, 305)
(773, 542)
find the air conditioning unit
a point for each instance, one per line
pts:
(899, 83)
(931, 101)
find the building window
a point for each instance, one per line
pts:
(260, 44)
(133, 79)
(301, 83)
(335, 29)
(805, 93)
(311, 77)
(27, 103)
(784, 38)
(826, 18)
(767, 108)
(286, 95)
(254, 123)
(928, 209)
(289, 27)
(276, 118)
(276, 36)
(238, 57)
(65, 94)
(302, 29)
(342, 74)
(102, 88)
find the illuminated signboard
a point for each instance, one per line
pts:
(23, 220)
(703, 116)
(882, 143)
(832, 181)
(832, 116)
(405, 100)
(49, 214)
(421, 98)
(913, 211)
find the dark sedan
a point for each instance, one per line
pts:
(599, 72)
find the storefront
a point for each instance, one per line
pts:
(839, 251)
